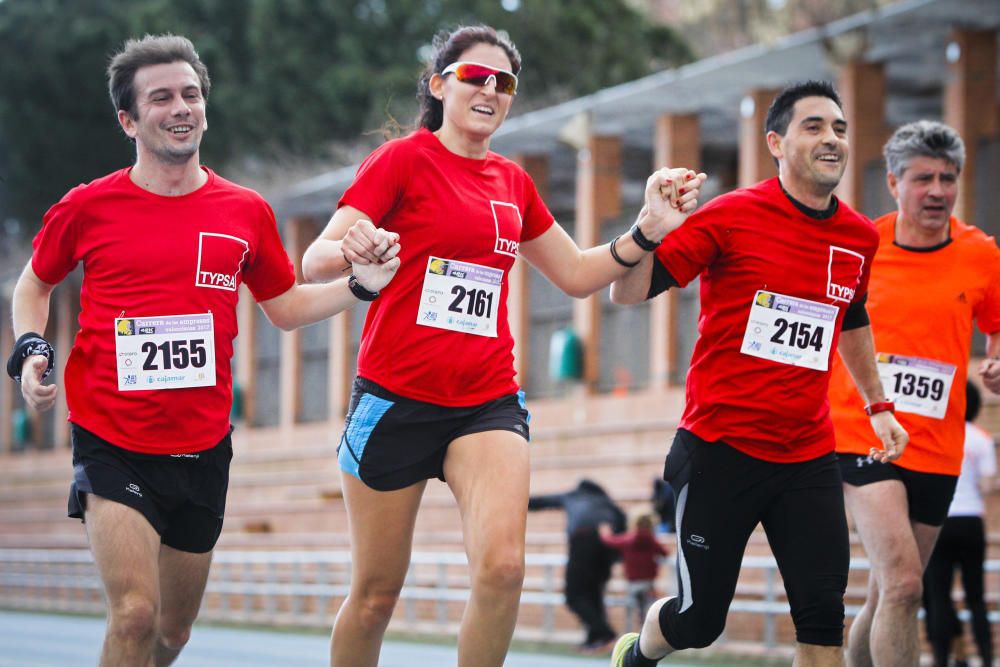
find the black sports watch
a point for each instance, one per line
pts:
(359, 290)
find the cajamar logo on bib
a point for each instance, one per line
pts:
(220, 258)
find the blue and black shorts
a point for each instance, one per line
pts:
(391, 442)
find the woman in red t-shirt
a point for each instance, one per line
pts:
(435, 394)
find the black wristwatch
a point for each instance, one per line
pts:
(359, 290)
(641, 240)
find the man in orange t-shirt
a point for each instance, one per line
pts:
(932, 276)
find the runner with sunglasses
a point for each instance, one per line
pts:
(435, 395)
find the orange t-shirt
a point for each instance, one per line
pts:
(922, 304)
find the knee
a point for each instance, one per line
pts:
(501, 572)
(175, 638)
(905, 589)
(693, 629)
(134, 618)
(376, 605)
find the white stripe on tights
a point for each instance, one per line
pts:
(687, 599)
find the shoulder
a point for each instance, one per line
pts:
(237, 195)
(96, 189)
(974, 240)
(403, 147)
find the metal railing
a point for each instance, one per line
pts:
(301, 587)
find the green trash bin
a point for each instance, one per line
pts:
(565, 356)
(236, 413)
(21, 428)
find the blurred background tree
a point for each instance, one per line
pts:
(292, 79)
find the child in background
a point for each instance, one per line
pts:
(641, 552)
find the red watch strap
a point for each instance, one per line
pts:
(883, 406)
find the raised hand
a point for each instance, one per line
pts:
(373, 276)
(365, 243)
(671, 195)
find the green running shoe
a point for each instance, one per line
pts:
(622, 647)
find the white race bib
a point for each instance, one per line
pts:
(789, 330)
(460, 296)
(917, 385)
(169, 352)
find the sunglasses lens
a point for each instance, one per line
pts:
(479, 75)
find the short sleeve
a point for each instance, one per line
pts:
(380, 181)
(55, 249)
(270, 272)
(987, 311)
(695, 245)
(861, 293)
(537, 217)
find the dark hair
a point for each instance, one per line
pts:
(779, 114)
(973, 401)
(150, 50)
(925, 138)
(448, 46)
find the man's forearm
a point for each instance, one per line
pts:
(857, 350)
(30, 303)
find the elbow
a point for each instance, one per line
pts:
(282, 319)
(578, 292)
(620, 297)
(310, 273)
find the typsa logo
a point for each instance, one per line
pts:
(125, 327)
(507, 219)
(843, 272)
(220, 258)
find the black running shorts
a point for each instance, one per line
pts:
(183, 496)
(928, 495)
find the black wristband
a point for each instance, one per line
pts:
(641, 240)
(618, 258)
(359, 290)
(28, 345)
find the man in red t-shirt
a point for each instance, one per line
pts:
(165, 245)
(784, 271)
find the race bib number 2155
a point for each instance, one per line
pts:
(169, 352)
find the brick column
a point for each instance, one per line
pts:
(8, 389)
(756, 162)
(341, 364)
(65, 297)
(519, 280)
(677, 144)
(246, 354)
(970, 104)
(299, 232)
(862, 90)
(598, 197)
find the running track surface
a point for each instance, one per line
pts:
(44, 640)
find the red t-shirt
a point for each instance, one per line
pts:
(922, 304)
(757, 239)
(146, 255)
(459, 210)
